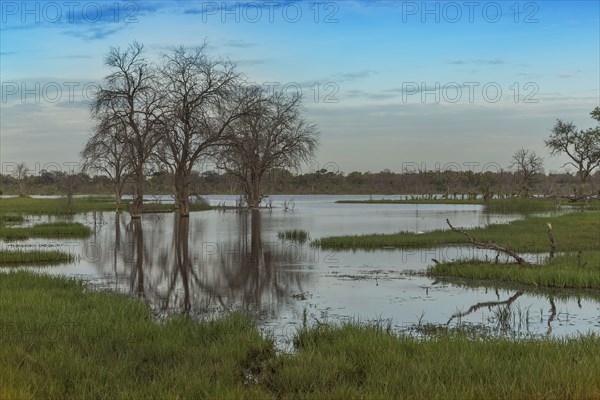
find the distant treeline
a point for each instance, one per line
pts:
(281, 181)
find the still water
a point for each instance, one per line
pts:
(219, 261)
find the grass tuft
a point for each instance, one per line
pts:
(574, 270)
(11, 218)
(294, 235)
(47, 230)
(12, 258)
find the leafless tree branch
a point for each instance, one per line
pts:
(489, 245)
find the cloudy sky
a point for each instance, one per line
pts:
(391, 84)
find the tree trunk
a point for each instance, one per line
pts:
(255, 241)
(137, 283)
(253, 198)
(22, 188)
(182, 195)
(117, 246)
(118, 195)
(138, 199)
(182, 258)
(583, 177)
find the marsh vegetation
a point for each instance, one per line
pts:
(574, 231)
(120, 351)
(296, 235)
(237, 303)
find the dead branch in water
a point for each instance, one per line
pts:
(489, 245)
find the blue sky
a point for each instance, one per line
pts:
(391, 84)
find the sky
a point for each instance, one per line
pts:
(393, 85)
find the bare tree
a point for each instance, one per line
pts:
(273, 136)
(527, 164)
(20, 174)
(130, 95)
(106, 152)
(68, 183)
(581, 146)
(196, 90)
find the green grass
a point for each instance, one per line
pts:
(573, 232)
(46, 230)
(32, 206)
(59, 206)
(294, 235)
(522, 206)
(11, 218)
(411, 201)
(12, 258)
(59, 341)
(565, 271)
(497, 206)
(352, 361)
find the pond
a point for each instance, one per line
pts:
(217, 261)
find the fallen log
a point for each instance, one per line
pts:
(489, 245)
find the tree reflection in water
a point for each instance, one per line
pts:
(220, 261)
(179, 269)
(507, 316)
(137, 257)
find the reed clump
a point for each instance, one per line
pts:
(46, 230)
(294, 235)
(36, 257)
